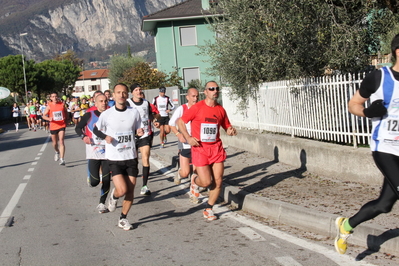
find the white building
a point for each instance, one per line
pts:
(91, 81)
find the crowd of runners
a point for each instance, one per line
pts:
(114, 128)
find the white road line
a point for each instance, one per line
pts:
(31, 169)
(11, 205)
(39, 154)
(274, 245)
(45, 144)
(227, 213)
(251, 234)
(27, 177)
(37, 158)
(34, 163)
(288, 261)
(329, 253)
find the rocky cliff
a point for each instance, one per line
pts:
(84, 26)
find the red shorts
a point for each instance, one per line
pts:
(207, 154)
(33, 116)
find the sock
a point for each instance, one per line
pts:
(146, 173)
(17, 125)
(347, 226)
(208, 206)
(123, 216)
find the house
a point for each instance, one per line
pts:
(179, 31)
(91, 81)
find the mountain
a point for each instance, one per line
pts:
(98, 28)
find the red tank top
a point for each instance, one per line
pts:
(57, 116)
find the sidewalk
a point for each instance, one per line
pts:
(295, 197)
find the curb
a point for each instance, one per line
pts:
(372, 237)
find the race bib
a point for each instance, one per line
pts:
(208, 132)
(125, 141)
(162, 106)
(58, 116)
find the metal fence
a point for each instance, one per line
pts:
(314, 108)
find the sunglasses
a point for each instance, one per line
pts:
(213, 88)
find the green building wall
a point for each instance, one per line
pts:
(170, 54)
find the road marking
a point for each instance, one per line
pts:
(34, 163)
(326, 252)
(224, 212)
(39, 154)
(288, 261)
(27, 177)
(251, 234)
(45, 144)
(274, 245)
(31, 169)
(11, 205)
(37, 158)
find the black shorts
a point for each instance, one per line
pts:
(164, 120)
(128, 167)
(55, 132)
(186, 153)
(39, 117)
(147, 141)
(15, 119)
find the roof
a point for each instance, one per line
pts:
(94, 74)
(190, 9)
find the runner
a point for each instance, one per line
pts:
(27, 114)
(118, 125)
(162, 103)
(15, 115)
(184, 169)
(33, 115)
(382, 88)
(144, 143)
(207, 151)
(56, 114)
(95, 150)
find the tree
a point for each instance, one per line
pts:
(70, 56)
(57, 76)
(148, 77)
(12, 75)
(268, 40)
(119, 64)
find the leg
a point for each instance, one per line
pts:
(54, 139)
(61, 137)
(216, 186)
(106, 181)
(145, 159)
(129, 195)
(93, 173)
(161, 133)
(185, 168)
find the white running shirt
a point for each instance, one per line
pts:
(121, 126)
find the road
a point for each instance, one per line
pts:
(52, 218)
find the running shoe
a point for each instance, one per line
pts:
(208, 214)
(112, 202)
(342, 235)
(177, 178)
(165, 139)
(145, 191)
(102, 208)
(62, 162)
(30, 129)
(125, 225)
(194, 191)
(162, 145)
(56, 156)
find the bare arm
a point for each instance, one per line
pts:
(356, 104)
(45, 115)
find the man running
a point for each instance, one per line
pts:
(144, 143)
(162, 103)
(95, 150)
(380, 86)
(207, 151)
(57, 114)
(184, 148)
(119, 125)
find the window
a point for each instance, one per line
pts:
(189, 74)
(78, 89)
(94, 87)
(188, 36)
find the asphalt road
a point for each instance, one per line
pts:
(53, 219)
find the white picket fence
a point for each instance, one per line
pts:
(314, 108)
